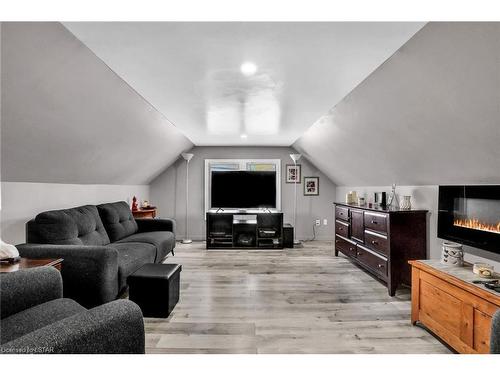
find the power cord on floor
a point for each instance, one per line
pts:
(314, 234)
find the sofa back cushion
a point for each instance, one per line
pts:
(72, 226)
(118, 220)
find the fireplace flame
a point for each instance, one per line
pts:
(478, 225)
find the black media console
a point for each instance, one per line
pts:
(244, 229)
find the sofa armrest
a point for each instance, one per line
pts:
(89, 273)
(116, 327)
(153, 225)
(27, 288)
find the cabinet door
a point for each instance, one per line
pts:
(357, 226)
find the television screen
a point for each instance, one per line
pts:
(243, 189)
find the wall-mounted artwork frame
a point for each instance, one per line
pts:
(311, 186)
(293, 174)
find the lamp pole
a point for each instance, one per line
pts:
(296, 243)
(187, 157)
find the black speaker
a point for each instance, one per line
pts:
(287, 236)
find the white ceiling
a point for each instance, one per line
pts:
(190, 72)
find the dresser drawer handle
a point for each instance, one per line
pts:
(352, 249)
(337, 241)
(358, 253)
(380, 266)
(374, 242)
(374, 222)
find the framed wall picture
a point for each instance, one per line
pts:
(293, 175)
(311, 185)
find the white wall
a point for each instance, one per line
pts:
(22, 201)
(428, 116)
(68, 118)
(168, 191)
(424, 197)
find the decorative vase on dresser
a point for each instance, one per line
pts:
(381, 241)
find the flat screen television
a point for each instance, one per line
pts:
(243, 189)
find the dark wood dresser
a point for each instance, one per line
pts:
(381, 241)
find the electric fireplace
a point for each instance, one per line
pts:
(470, 215)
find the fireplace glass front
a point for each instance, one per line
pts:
(470, 215)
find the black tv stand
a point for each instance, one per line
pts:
(244, 229)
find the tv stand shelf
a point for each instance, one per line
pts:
(238, 229)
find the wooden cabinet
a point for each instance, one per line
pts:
(233, 229)
(146, 213)
(446, 302)
(357, 226)
(381, 241)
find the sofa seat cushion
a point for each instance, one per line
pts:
(164, 242)
(72, 226)
(117, 219)
(37, 317)
(131, 257)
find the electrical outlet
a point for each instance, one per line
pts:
(325, 221)
(318, 222)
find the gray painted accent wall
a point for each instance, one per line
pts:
(167, 191)
(429, 115)
(67, 118)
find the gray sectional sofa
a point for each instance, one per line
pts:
(101, 246)
(35, 319)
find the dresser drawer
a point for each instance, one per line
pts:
(342, 213)
(377, 242)
(345, 246)
(342, 228)
(372, 260)
(377, 222)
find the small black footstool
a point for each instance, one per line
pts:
(155, 288)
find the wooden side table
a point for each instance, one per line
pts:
(446, 301)
(149, 213)
(25, 263)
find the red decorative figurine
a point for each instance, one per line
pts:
(134, 203)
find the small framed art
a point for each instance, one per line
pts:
(293, 175)
(311, 185)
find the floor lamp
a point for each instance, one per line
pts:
(296, 242)
(187, 157)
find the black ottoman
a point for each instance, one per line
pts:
(155, 288)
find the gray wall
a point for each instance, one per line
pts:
(167, 191)
(67, 118)
(22, 201)
(429, 115)
(424, 197)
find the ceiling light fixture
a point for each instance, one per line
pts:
(248, 68)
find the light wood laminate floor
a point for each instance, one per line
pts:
(292, 301)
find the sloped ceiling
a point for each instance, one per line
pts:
(190, 71)
(428, 115)
(66, 117)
